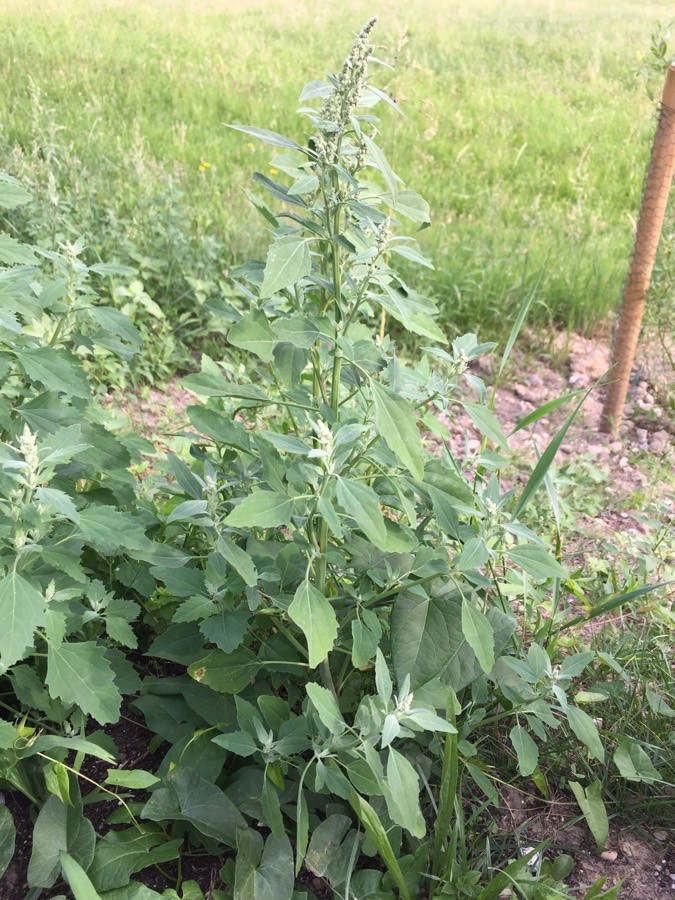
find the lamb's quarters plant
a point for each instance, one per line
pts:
(323, 594)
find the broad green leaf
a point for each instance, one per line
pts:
(7, 839)
(239, 742)
(253, 333)
(363, 505)
(227, 673)
(80, 674)
(57, 781)
(591, 804)
(227, 629)
(46, 742)
(78, 879)
(326, 706)
(13, 253)
(239, 559)
(315, 616)
(526, 750)
(366, 636)
(402, 794)
(180, 643)
(408, 204)
(486, 422)
(479, 634)
(263, 872)
(536, 561)
(428, 641)
(297, 330)
(261, 509)
(474, 555)
(59, 829)
(634, 764)
(288, 260)
(57, 370)
(22, 610)
(219, 427)
(107, 530)
(12, 193)
(325, 842)
(398, 428)
(135, 779)
(187, 797)
(585, 729)
(121, 853)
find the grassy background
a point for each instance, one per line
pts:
(528, 128)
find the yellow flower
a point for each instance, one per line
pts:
(250, 146)
(202, 168)
(204, 165)
(273, 171)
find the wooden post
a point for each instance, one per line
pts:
(652, 212)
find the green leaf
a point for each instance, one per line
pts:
(315, 616)
(253, 333)
(526, 750)
(227, 629)
(12, 193)
(591, 804)
(326, 706)
(585, 729)
(22, 610)
(363, 505)
(408, 204)
(239, 742)
(239, 559)
(479, 635)
(486, 422)
(428, 641)
(57, 781)
(78, 879)
(634, 764)
(80, 674)
(187, 797)
(13, 253)
(398, 428)
(537, 562)
(402, 794)
(261, 509)
(545, 410)
(7, 839)
(269, 137)
(297, 330)
(544, 462)
(107, 530)
(518, 324)
(121, 853)
(288, 260)
(263, 873)
(59, 829)
(57, 370)
(134, 779)
(474, 555)
(227, 673)
(366, 636)
(377, 160)
(325, 844)
(376, 831)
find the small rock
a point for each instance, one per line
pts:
(662, 836)
(609, 855)
(616, 446)
(535, 380)
(623, 462)
(641, 434)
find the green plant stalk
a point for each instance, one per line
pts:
(446, 804)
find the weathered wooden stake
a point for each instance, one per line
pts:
(652, 212)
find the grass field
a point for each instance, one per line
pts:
(527, 128)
